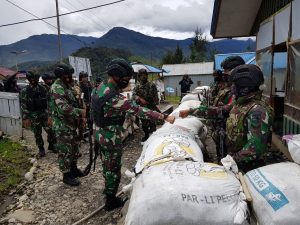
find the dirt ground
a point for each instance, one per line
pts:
(46, 200)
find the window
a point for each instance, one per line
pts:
(294, 83)
(264, 61)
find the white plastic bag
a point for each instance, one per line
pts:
(293, 142)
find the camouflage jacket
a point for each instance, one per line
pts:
(223, 96)
(147, 91)
(48, 98)
(249, 128)
(64, 107)
(34, 102)
(86, 89)
(115, 107)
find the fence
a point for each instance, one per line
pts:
(10, 114)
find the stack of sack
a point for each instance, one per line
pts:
(275, 189)
(174, 186)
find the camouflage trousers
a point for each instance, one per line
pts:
(111, 163)
(36, 126)
(68, 149)
(148, 126)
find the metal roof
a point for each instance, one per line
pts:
(241, 18)
(234, 18)
(247, 56)
(189, 68)
(150, 69)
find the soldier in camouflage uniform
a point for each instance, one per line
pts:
(249, 125)
(108, 110)
(48, 81)
(224, 95)
(35, 111)
(223, 99)
(214, 88)
(66, 114)
(145, 94)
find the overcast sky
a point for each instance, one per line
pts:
(176, 19)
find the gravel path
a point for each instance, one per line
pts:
(46, 200)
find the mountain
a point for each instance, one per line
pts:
(156, 47)
(140, 44)
(44, 47)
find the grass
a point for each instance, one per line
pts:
(13, 164)
(173, 99)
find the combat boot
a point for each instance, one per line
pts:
(75, 171)
(69, 179)
(113, 202)
(41, 152)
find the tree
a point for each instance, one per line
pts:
(198, 47)
(168, 58)
(178, 55)
(173, 58)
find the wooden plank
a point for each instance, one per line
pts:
(10, 114)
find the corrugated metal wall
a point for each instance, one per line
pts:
(173, 81)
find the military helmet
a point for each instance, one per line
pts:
(63, 69)
(98, 79)
(119, 67)
(231, 62)
(30, 75)
(142, 72)
(217, 73)
(47, 76)
(247, 76)
(83, 74)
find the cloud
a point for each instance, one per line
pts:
(169, 18)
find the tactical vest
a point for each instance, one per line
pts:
(221, 96)
(236, 127)
(36, 99)
(97, 106)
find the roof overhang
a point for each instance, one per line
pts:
(234, 18)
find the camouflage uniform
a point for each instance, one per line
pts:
(223, 96)
(52, 138)
(65, 115)
(34, 107)
(147, 91)
(249, 131)
(109, 137)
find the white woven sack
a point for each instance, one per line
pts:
(192, 96)
(275, 190)
(293, 142)
(185, 105)
(186, 193)
(168, 143)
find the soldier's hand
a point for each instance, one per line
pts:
(26, 123)
(170, 119)
(49, 122)
(203, 108)
(184, 113)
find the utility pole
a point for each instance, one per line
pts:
(58, 31)
(17, 53)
